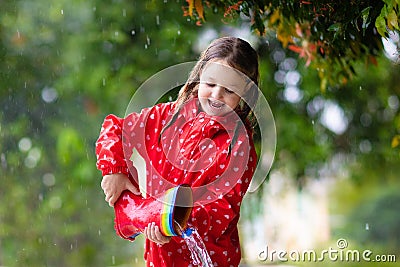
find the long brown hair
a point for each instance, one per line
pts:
(238, 54)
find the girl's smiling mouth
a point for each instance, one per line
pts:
(215, 104)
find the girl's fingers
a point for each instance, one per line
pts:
(153, 233)
(107, 198)
(111, 201)
(147, 232)
(160, 237)
(132, 188)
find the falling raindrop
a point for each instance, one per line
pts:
(104, 81)
(367, 226)
(360, 88)
(158, 20)
(113, 260)
(62, 11)
(124, 12)
(312, 121)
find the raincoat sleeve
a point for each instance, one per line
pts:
(217, 221)
(109, 150)
(120, 136)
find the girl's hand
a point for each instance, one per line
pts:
(153, 233)
(114, 184)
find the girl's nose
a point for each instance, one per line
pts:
(217, 92)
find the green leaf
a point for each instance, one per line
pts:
(389, 4)
(393, 20)
(380, 25)
(365, 18)
(335, 27)
(396, 141)
(323, 84)
(384, 11)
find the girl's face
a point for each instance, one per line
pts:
(220, 88)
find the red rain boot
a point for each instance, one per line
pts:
(133, 213)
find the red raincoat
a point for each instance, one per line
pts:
(196, 149)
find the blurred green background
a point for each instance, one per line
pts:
(65, 65)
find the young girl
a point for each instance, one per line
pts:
(203, 139)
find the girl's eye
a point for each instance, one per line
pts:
(229, 91)
(210, 84)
